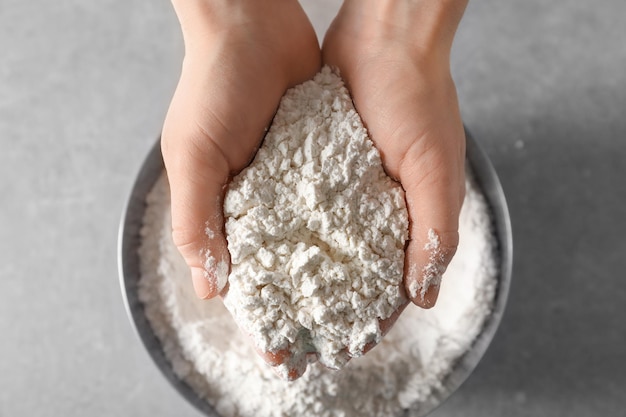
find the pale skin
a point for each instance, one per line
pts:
(240, 58)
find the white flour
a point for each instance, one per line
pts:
(206, 348)
(316, 232)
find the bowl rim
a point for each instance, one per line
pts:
(129, 275)
(487, 180)
(129, 272)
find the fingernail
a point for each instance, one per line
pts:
(430, 297)
(424, 282)
(202, 285)
(216, 271)
(413, 280)
(431, 278)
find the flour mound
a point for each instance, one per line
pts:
(408, 369)
(316, 231)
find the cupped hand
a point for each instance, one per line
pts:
(240, 58)
(394, 58)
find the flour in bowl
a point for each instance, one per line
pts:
(209, 352)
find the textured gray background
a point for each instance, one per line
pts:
(84, 87)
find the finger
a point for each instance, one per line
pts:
(286, 364)
(386, 325)
(197, 173)
(435, 186)
(274, 358)
(292, 369)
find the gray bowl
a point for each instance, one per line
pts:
(129, 273)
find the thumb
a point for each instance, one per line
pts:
(197, 173)
(435, 187)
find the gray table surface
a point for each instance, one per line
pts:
(84, 87)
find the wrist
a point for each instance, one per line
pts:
(203, 20)
(426, 26)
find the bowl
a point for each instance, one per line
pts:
(129, 275)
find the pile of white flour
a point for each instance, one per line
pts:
(206, 347)
(316, 232)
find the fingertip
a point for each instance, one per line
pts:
(286, 364)
(387, 324)
(295, 366)
(429, 299)
(217, 271)
(288, 373)
(202, 285)
(426, 262)
(212, 279)
(275, 358)
(294, 373)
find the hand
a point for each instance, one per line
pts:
(394, 57)
(240, 58)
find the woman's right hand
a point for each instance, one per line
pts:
(240, 58)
